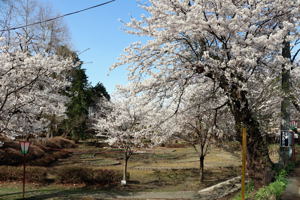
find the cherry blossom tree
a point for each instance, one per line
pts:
(124, 127)
(199, 122)
(236, 45)
(30, 88)
(197, 129)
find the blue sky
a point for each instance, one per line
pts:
(100, 30)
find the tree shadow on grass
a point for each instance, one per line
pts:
(64, 194)
(76, 194)
(18, 195)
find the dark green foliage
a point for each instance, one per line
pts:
(98, 92)
(82, 96)
(77, 107)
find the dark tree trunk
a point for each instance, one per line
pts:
(259, 164)
(201, 168)
(285, 86)
(285, 103)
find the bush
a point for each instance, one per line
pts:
(9, 173)
(50, 157)
(36, 174)
(104, 177)
(80, 175)
(274, 189)
(10, 156)
(249, 190)
(33, 174)
(59, 143)
(38, 154)
(43, 161)
(73, 175)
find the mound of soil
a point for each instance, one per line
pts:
(40, 153)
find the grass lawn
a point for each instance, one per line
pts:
(10, 191)
(152, 170)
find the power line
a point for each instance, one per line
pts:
(55, 18)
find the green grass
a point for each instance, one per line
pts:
(248, 192)
(12, 191)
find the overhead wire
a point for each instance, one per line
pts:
(55, 18)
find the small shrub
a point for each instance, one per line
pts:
(50, 158)
(36, 174)
(43, 161)
(59, 143)
(10, 173)
(249, 190)
(74, 175)
(80, 175)
(11, 156)
(33, 174)
(106, 177)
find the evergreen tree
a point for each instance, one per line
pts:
(84, 98)
(77, 108)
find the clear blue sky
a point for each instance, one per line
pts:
(100, 30)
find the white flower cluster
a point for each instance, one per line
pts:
(30, 90)
(234, 45)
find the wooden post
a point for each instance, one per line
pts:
(244, 152)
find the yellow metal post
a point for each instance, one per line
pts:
(244, 152)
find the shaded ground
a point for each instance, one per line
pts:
(79, 193)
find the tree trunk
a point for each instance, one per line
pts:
(285, 86)
(285, 103)
(259, 164)
(201, 168)
(126, 158)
